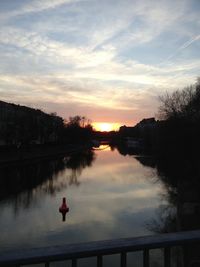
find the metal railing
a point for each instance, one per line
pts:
(98, 249)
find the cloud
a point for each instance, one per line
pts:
(53, 51)
(148, 21)
(34, 7)
(87, 55)
(97, 102)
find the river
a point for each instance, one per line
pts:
(109, 195)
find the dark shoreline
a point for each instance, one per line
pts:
(12, 155)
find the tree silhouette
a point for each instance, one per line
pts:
(181, 104)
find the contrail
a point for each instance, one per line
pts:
(182, 47)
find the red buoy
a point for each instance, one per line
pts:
(64, 208)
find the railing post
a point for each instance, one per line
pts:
(74, 262)
(167, 257)
(99, 261)
(145, 258)
(123, 259)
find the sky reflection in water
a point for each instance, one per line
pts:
(116, 197)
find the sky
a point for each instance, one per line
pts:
(109, 60)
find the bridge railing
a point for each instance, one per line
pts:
(98, 249)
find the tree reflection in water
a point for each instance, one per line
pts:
(18, 184)
(182, 182)
(181, 178)
(181, 211)
(77, 163)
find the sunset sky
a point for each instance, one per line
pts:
(108, 60)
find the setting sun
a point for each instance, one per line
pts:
(106, 126)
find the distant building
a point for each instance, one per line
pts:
(125, 130)
(145, 124)
(150, 122)
(145, 132)
(24, 125)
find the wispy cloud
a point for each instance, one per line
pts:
(100, 57)
(53, 51)
(35, 6)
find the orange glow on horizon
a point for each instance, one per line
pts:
(103, 147)
(106, 126)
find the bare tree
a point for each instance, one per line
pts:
(181, 103)
(78, 121)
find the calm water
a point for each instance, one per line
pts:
(109, 196)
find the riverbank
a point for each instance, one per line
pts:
(13, 155)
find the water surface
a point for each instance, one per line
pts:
(109, 196)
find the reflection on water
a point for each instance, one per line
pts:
(19, 184)
(111, 194)
(181, 210)
(64, 209)
(181, 179)
(104, 190)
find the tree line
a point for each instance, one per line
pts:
(177, 129)
(179, 114)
